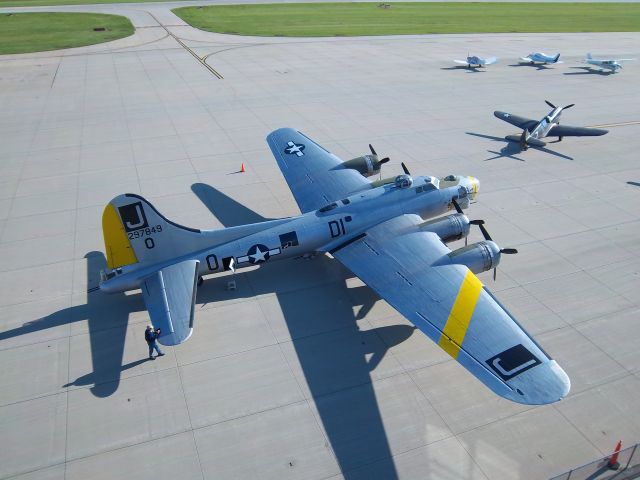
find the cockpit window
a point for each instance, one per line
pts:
(427, 187)
(329, 207)
(346, 201)
(450, 178)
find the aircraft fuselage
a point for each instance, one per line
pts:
(323, 230)
(545, 125)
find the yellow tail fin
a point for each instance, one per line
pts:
(116, 241)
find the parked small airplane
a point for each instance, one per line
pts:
(379, 233)
(475, 62)
(539, 57)
(549, 126)
(612, 65)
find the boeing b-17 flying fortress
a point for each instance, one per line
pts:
(365, 295)
(370, 230)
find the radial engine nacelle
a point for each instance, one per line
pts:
(477, 257)
(367, 165)
(449, 228)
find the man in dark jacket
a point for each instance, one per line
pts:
(151, 335)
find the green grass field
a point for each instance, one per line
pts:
(349, 19)
(37, 32)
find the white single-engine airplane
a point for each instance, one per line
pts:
(538, 57)
(379, 233)
(475, 62)
(613, 65)
(549, 126)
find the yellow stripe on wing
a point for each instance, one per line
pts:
(458, 322)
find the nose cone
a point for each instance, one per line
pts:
(472, 184)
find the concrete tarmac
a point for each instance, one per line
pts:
(302, 372)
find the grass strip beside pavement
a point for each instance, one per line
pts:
(37, 32)
(355, 19)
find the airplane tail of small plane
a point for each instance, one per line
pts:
(589, 57)
(136, 233)
(557, 57)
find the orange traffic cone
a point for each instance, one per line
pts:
(613, 461)
(242, 168)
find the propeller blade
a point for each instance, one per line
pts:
(568, 106)
(372, 150)
(480, 224)
(550, 104)
(384, 160)
(457, 206)
(508, 251)
(494, 274)
(404, 167)
(485, 234)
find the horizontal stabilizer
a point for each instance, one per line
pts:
(170, 295)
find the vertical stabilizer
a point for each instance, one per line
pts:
(135, 232)
(116, 243)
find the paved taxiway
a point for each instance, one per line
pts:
(301, 372)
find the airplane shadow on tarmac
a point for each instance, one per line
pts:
(462, 67)
(537, 66)
(357, 439)
(511, 149)
(588, 71)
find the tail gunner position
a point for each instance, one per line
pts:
(386, 232)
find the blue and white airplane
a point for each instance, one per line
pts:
(613, 65)
(392, 236)
(538, 57)
(475, 62)
(549, 126)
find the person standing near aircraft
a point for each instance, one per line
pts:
(151, 335)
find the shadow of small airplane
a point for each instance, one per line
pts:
(465, 68)
(511, 149)
(537, 66)
(589, 71)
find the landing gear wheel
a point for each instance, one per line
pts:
(200, 281)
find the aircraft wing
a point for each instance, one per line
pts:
(315, 176)
(409, 269)
(170, 295)
(520, 122)
(568, 131)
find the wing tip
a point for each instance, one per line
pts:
(547, 383)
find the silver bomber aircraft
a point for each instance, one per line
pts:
(549, 126)
(378, 232)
